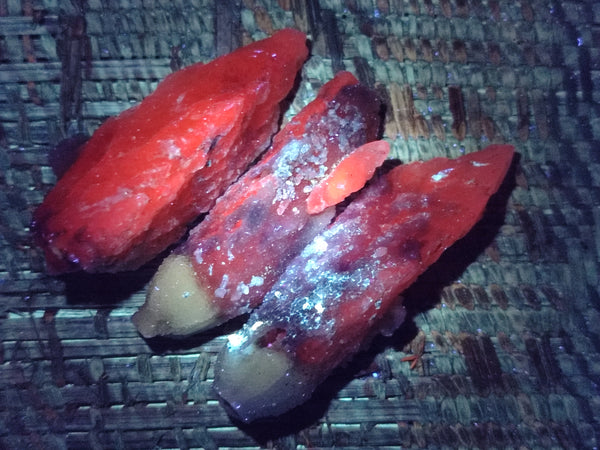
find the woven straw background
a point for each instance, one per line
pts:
(508, 320)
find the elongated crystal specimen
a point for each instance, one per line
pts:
(145, 174)
(236, 253)
(344, 287)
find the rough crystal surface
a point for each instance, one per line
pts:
(262, 221)
(344, 287)
(145, 174)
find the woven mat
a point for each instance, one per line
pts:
(508, 321)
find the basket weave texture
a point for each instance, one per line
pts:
(508, 321)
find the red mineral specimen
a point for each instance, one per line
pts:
(236, 253)
(348, 176)
(145, 174)
(344, 287)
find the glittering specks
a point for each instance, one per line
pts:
(221, 291)
(441, 174)
(319, 244)
(379, 252)
(244, 289)
(170, 147)
(198, 255)
(304, 162)
(236, 340)
(330, 275)
(291, 155)
(344, 286)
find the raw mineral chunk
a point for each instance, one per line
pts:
(344, 287)
(348, 176)
(236, 253)
(145, 174)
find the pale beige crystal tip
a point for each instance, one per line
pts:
(257, 382)
(175, 303)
